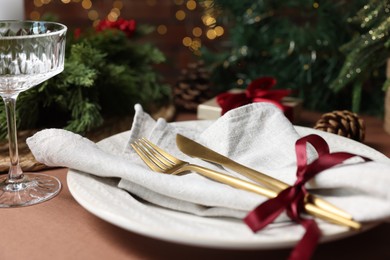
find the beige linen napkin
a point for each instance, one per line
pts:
(257, 135)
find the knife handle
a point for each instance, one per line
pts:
(278, 186)
(310, 208)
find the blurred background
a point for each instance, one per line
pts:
(179, 31)
(330, 55)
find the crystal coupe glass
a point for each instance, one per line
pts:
(30, 53)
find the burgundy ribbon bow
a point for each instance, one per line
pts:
(259, 90)
(292, 198)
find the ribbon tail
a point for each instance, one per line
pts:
(268, 211)
(307, 245)
(262, 215)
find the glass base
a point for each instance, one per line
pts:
(33, 189)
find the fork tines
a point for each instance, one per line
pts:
(153, 156)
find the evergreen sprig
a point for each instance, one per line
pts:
(368, 51)
(105, 74)
(296, 41)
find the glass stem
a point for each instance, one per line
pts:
(15, 173)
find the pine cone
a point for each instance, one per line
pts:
(344, 123)
(193, 87)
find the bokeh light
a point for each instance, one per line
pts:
(219, 31)
(180, 15)
(93, 15)
(191, 5)
(197, 31)
(162, 29)
(86, 4)
(211, 34)
(187, 41)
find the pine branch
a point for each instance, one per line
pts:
(298, 43)
(105, 74)
(369, 51)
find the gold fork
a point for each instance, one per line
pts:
(160, 161)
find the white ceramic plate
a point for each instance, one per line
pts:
(102, 198)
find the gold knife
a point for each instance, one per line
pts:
(194, 149)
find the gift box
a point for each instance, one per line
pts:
(259, 90)
(211, 110)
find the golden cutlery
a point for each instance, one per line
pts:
(161, 161)
(194, 149)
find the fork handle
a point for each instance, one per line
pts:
(278, 186)
(252, 187)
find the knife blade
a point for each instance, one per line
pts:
(194, 149)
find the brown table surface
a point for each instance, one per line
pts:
(62, 229)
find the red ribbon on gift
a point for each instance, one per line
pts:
(292, 198)
(259, 90)
(126, 26)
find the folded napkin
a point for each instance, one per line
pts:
(257, 135)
